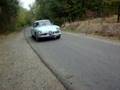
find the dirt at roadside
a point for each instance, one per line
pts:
(21, 69)
(104, 27)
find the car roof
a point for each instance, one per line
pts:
(41, 21)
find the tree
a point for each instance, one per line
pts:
(114, 7)
(72, 10)
(23, 18)
(8, 13)
(118, 20)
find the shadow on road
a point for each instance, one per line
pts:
(42, 39)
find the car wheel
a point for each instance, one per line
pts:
(32, 36)
(58, 37)
(36, 37)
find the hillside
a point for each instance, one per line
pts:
(99, 26)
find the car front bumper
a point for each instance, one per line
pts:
(48, 35)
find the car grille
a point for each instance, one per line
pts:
(44, 34)
(49, 33)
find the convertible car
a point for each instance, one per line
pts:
(45, 29)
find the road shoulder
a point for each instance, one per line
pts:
(21, 69)
(95, 37)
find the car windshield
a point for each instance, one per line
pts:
(44, 23)
(41, 23)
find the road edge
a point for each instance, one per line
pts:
(47, 65)
(95, 37)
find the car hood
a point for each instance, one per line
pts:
(45, 29)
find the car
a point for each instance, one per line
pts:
(45, 29)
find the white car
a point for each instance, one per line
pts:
(45, 29)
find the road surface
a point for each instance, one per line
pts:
(81, 62)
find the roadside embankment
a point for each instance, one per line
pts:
(106, 27)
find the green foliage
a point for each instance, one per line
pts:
(23, 18)
(8, 13)
(12, 16)
(60, 11)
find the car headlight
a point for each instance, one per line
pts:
(58, 28)
(39, 32)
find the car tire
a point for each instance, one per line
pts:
(58, 37)
(36, 37)
(32, 36)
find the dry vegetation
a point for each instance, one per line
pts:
(100, 26)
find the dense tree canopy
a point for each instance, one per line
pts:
(58, 11)
(8, 13)
(24, 17)
(70, 10)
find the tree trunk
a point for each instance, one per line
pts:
(0, 10)
(118, 20)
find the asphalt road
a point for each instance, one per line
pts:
(81, 62)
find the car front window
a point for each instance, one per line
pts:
(45, 23)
